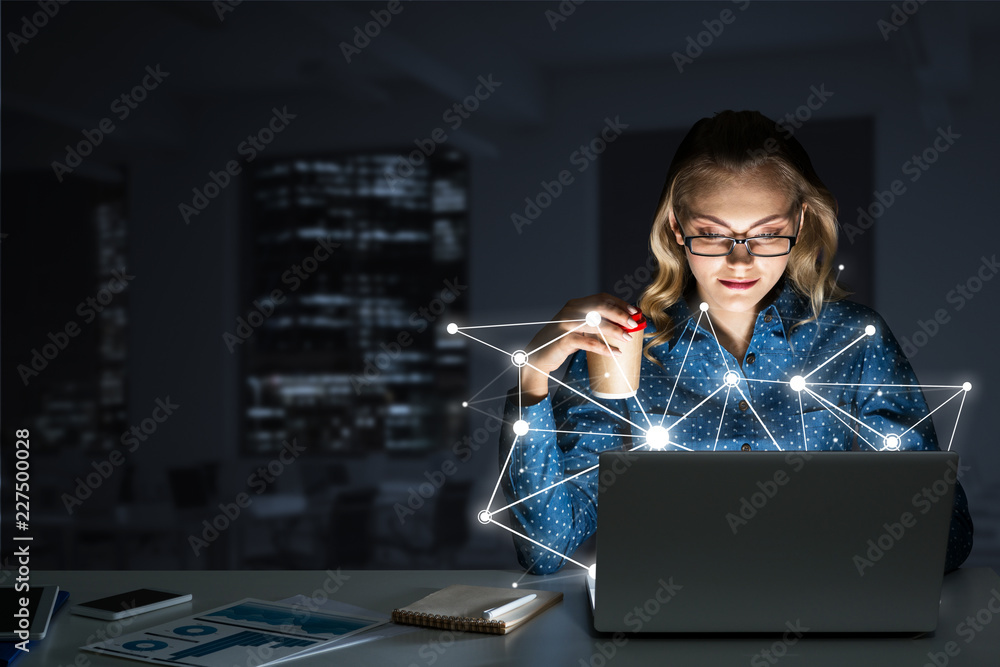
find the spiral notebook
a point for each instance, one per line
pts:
(461, 607)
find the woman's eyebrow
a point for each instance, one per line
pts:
(762, 221)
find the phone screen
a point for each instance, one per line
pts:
(130, 600)
(10, 602)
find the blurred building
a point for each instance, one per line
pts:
(348, 267)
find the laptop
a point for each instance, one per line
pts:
(850, 542)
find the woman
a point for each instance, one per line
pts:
(746, 231)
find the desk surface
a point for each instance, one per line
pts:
(563, 635)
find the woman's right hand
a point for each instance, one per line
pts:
(546, 353)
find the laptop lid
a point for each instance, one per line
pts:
(760, 542)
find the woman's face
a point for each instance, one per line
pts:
(738, 282)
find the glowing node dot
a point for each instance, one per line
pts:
(732, 378)
(878, 393)
(657, 437)
(967, 386)
(593, 318)
(840, 268)
(870, 330)
(797, 383)
(514, 585)
(892, 442)
(607, 375)
(520, 427)
(484, 516)
(592, 571)
(452, 328)
(704, 307)
(519, 358)
(465, 404)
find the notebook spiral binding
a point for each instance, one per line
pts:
(463, 623)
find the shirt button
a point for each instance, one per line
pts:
(751, 358)
(743, 406)
(746, 447)
(767, 318)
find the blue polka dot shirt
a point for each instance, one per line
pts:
(702, 416)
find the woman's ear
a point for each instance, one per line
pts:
(676, 229)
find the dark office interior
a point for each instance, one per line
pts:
(234, 234)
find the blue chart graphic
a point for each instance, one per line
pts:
(247, 638)
(145, 645)
(313, 625)
(195, 630)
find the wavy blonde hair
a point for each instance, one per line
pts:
(744, 145)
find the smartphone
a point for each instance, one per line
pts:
(128, 604)
(26, 621)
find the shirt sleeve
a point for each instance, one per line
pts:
(551, 478)
(902, 411)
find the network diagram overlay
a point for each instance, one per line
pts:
(657, 436)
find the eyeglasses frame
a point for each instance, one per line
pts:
(735, 241)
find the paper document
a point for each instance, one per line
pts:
(246, 632)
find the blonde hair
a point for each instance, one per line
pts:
(743, 145)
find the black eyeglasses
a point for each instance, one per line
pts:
(758, 246)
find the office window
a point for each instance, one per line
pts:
(354, 278)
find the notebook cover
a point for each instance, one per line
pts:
(461, 607)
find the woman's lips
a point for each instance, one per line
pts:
(739, 284)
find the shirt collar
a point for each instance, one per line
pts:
(787, 309)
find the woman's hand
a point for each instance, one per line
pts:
(613, 311)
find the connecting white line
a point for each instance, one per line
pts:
(549, 487)
(721, 353)
(843, 412)
(488, 384)
(758, 418)
(686, 414)
(588, 398)
(849, 346)
(960, 406)
(483, 342)
(486, 516)
(625, 377)
(802, 416)
(721, 417)
(510, 455)
(539, 544)
(683, 361)
(560, 336)
(517, 324)
(960, 391)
